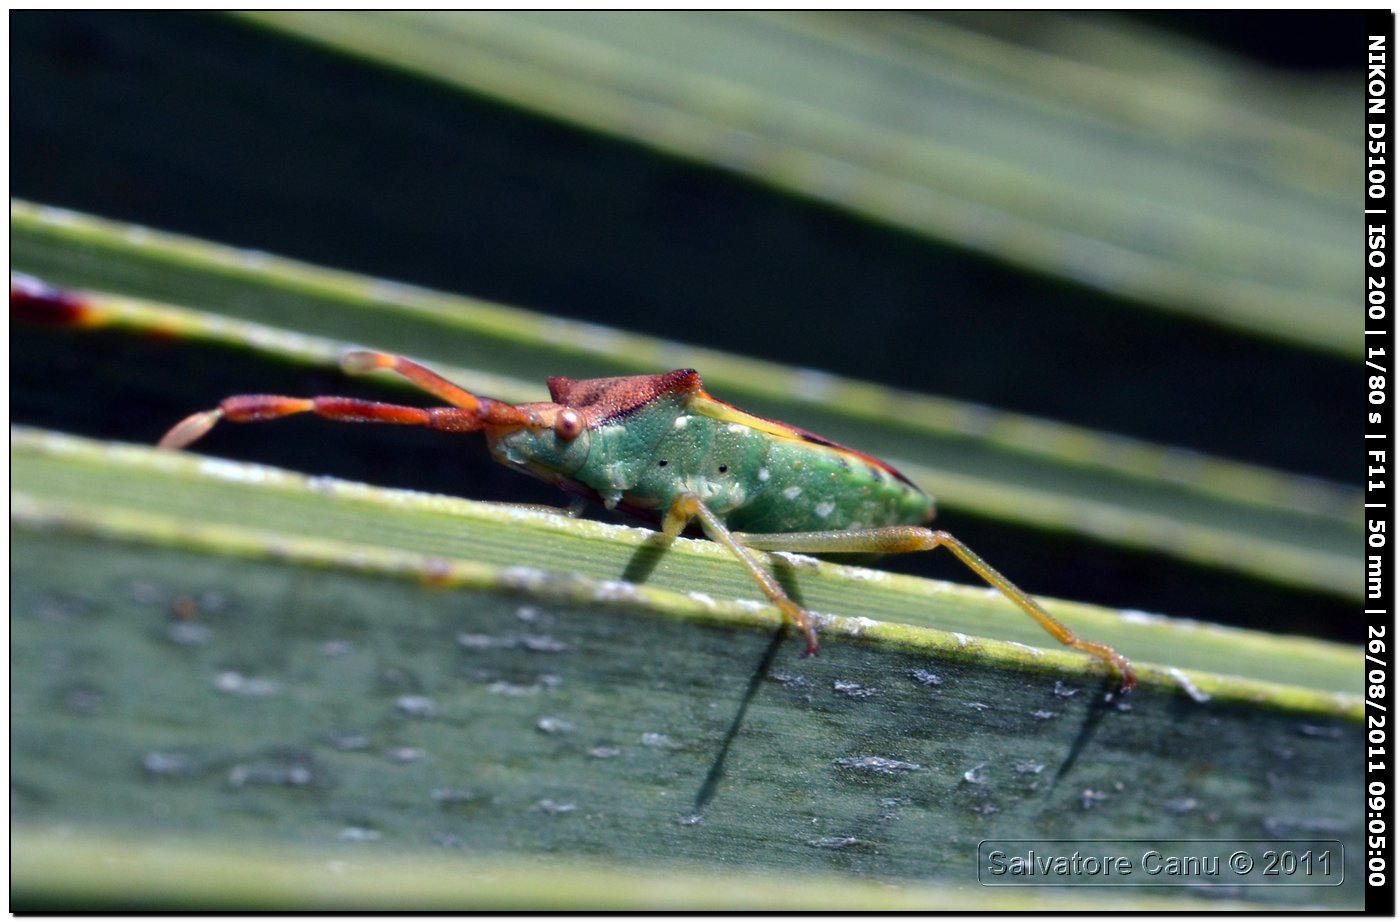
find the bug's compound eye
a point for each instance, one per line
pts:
(568, 424)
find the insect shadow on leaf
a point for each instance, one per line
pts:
(710, 786)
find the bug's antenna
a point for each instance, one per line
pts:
(488, 410)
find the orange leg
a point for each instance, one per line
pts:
(688, 506)
(468, 412)
(901, 539)
(249, 408)
(493, 411)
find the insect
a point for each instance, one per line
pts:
(660, 447)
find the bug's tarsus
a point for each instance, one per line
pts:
(189, 429)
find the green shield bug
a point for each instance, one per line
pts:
(659, 446)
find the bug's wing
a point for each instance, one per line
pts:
(706, 405)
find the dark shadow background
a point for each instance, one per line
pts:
(202, 125)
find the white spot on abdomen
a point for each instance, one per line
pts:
(681, 422)
(824, 509)
(763, 475)
(792, 492)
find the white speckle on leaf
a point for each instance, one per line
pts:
(856, 627)
(511, 690)
(552, 807)
(702, 598)
(480, 641)
(976, 774)
(523, 577)
(53, 215)
(612, 590)
(542, 643)
(235, 683)
(1189, 687)
(851, 689)
(800, 561)
(358, 834)
(877, 765)
(231, 470)
(812, 385)
(416, 706)
(594, 336)
(554, 725)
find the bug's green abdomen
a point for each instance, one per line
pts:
(811, 488)
(758, 483)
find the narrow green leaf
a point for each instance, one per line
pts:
(1219, 205)
(56, 871)
(1299, 531)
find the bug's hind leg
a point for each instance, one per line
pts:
(688, 506)
(902, 539)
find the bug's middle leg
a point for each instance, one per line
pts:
(688, 506)
(497, 412)
(902, 539)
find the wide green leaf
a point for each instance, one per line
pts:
(203, 646)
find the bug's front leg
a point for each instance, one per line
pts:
(251, 408)
(902, 539)
(687, 507)
(468, 412)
